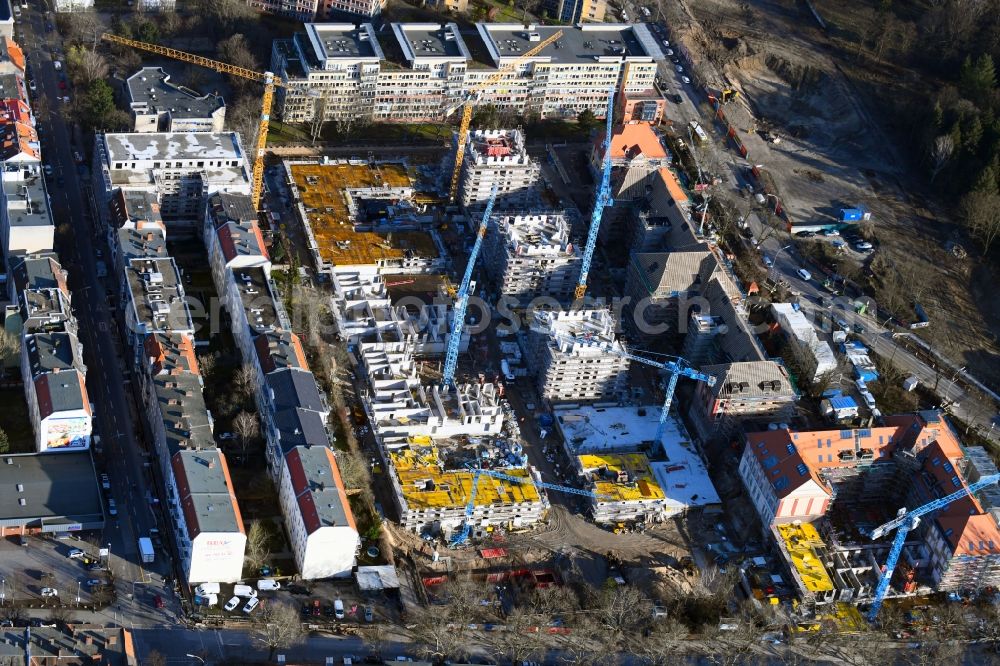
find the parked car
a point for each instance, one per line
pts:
(369, 614)
(95, 566)
(863, 246)
(232, 604)
(94, 582)
(50, 592)
(112, 508)
(268, 584)
(75, 554)
(244, 591)
(831, 232)
(105, 479)
(251, 605)
(338, 608)
(768, 261)
(158, 601)
(806, 234)
(804, 274)
(679, 68)
(685, 79)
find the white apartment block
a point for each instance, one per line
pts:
(321, 527)
(73, 5)
(157, 5)
(157, 105)
(27, 219)
(572, 371)
(529, 256)
(498, 158)
(413, 72)
(181, 168)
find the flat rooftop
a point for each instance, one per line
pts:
(426, 485)
(150, 90)
(157, 295)
(621, 478)
(342, 40)
(596, 326)
(163, 146)
(27, 201)
(430, 40)
(142, 244)
(682, 475)
(587, 45)
(801, 542)
(323, 191)
(58, 489)
(537, 235)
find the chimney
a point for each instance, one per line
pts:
(112, 639)
(211, 463)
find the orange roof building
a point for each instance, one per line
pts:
(796, 476)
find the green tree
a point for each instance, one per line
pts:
(99, 104)
(4, 442)
(981, 213)
(989, 178)
(978, 78)
(586, 119)
(147, 31)
(486, 117)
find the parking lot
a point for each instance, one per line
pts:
(44, 563)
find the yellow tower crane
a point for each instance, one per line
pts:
(267, 78)
(471, 100)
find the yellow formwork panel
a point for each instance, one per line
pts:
(799, 542)
(426, 486)
(322, 191)
(641, 486)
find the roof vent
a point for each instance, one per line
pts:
(20, 487)
(22, 501)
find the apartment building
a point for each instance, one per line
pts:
(421, 72)
(743, 392)
(72, 5)
(155, 301)
(321, 527)
(571, 370)
(135, 228)
(797, 477)
(157, 105)
(498, 159)
(55, 388)
(661, 286)
(637, 155)
(309, 10)
(530, 256)
(180, 168)
(572, 12)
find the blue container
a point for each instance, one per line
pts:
(851, 214)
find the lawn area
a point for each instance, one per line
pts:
(15, 422)
(279, 133)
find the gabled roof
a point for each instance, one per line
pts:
(294, 387)
(749, 380)
(205, 490)
(318, 488)
(277, 350)
(672, 185)
(300, 427)
(61, 392)
(920, 430)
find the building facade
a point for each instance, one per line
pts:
(157, 105)
(530, 256)
(421, 72)
(498, 159)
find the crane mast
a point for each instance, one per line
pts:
(601, 200)
(462, 301)
(904, 523)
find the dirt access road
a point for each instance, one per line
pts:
(833, 153)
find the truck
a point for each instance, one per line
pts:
(146, 549)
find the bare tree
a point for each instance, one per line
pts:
(521, 639)
(277, 626)
(666, 640)
(235, 50)
(243, 116)
(257, 549)
(10, 345)
(81, 27)
(86, 66)
(981, 213)
(245, 381)
(941, 152)
(319, 117)
(622, 610)
(246, 427)
(353, 470)
(440, 637)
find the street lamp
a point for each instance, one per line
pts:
(77, 593)
(3, 590)
(774, 261)
(194, 656)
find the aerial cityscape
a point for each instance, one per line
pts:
(540, 332)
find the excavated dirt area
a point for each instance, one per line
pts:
(833, 153)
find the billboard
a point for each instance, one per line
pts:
(68, 433)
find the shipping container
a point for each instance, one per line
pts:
(851, 214)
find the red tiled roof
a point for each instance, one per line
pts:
(634, 140)
(15, 53)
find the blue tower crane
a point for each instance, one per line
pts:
(602, 200)
(906, 521)
(462, 302)
(677, 368)
(463, 535)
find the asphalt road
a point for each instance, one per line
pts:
(107, 379)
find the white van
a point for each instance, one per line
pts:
(338, 609)
(206, 589)
(244, 591)
(268, 584)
